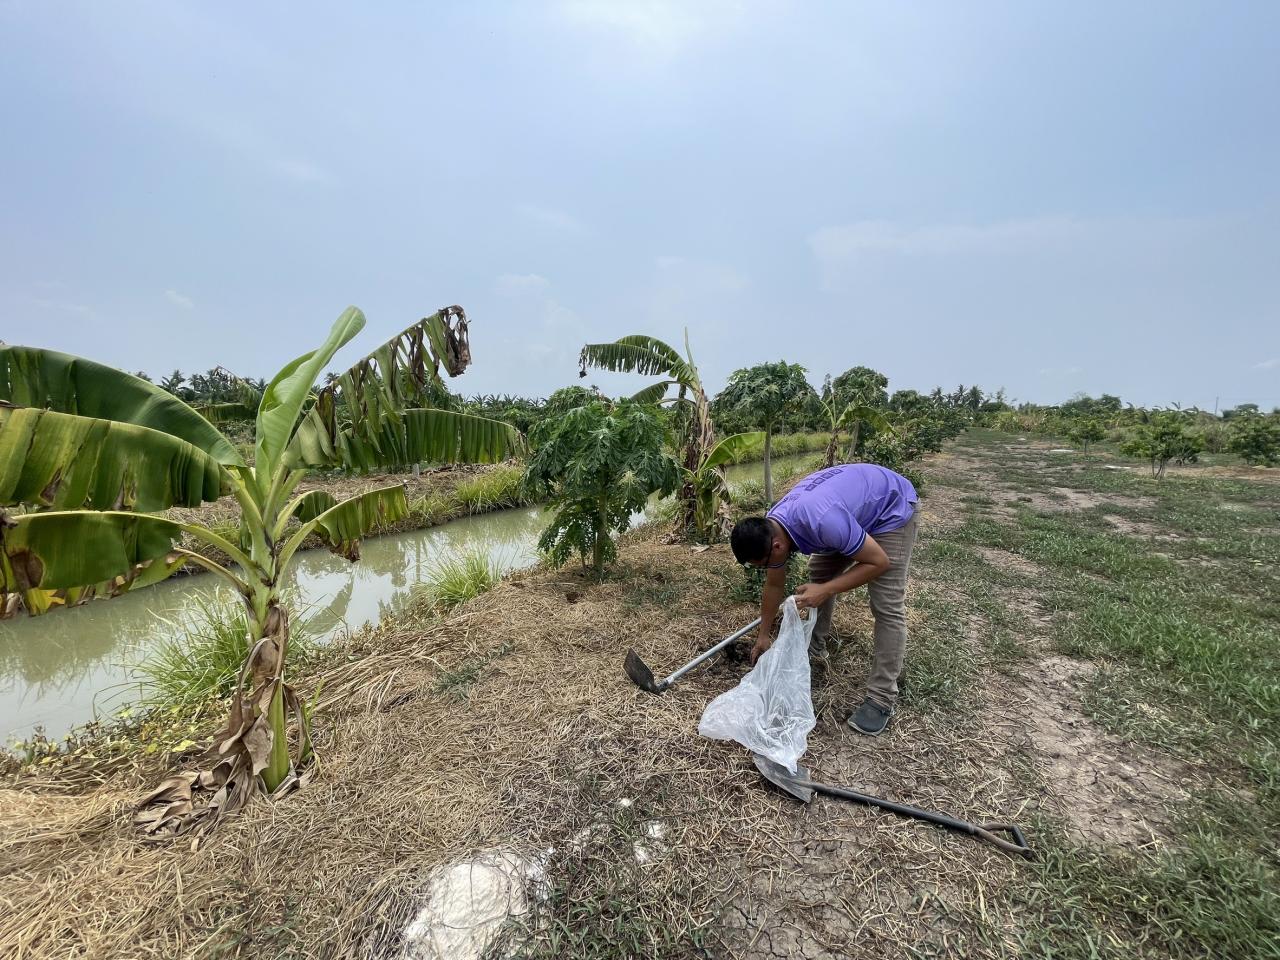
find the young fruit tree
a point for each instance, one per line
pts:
(1162, 439)
(597, 465)
(93, 454)
(1256, 438)
(763, 394)
(1086, 432)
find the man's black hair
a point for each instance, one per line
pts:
(752, 539)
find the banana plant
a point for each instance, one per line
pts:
(850, 418)
(90, 455)
(648, 356)
(709, 482)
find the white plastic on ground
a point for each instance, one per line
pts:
(645, 850)
(467, 904)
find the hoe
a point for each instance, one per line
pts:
(643, 678)
(802, 788)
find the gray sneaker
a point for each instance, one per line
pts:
(870, 718)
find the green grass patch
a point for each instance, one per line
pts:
(495, 489)
(1213, 896)
(202, 660)
(455, 580)
(1180, 615)
(457, 683)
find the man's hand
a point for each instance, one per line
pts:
(763, 644)
(812, 595)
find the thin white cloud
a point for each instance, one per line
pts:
(1268, 364)
(178, 299)
(550, 217)
(520, 284)
(62, 306)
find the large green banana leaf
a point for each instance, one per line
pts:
(730, 449)
(855, 413)
(654, 393)
(285, 394)
(58, 460)
(413, 436)
(77, 548)
(342, 525)
(400, 375)
(229, 412)
(46, 379)
(638, 354)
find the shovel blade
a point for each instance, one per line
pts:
(783, 779)
(640, 673)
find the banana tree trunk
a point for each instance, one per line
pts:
(272, 681)
(855, 433)
(833, 448)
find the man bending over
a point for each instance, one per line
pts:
(857, 523)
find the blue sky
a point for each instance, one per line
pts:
(1044, 197)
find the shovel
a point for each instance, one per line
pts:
(802, 788)
(642, 676)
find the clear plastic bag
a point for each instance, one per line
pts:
(770, 712)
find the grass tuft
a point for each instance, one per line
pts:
(493, 490)
(455, 580)
(202, 661)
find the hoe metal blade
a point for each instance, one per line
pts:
(640, 673)
(642, 676)
(783, 779)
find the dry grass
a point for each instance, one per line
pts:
(538, 754)
(549, 740)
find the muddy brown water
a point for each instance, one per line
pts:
(73, 666)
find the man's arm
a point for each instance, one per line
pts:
(771, 597)
(871, 562)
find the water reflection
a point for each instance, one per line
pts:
(67, 667)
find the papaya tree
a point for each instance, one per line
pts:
(860, 385)
(764, 394)
(650, 356)
(597, 465)
(90, 455)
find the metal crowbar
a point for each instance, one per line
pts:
(802, 788)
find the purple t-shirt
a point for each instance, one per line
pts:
(832, 511)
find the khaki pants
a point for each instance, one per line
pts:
(888, 595)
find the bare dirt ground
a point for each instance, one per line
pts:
(510, 724)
